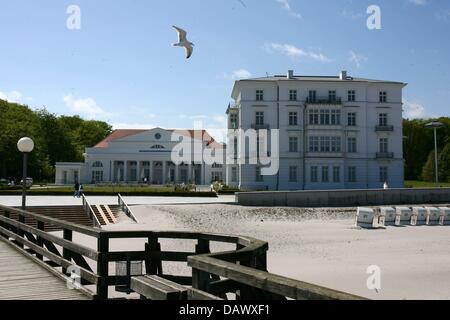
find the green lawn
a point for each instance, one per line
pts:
(424, 184)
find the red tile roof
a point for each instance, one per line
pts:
(123, 133)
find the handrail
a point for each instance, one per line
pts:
(90, 212)
(124, 207)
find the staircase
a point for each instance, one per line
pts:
(106, 214)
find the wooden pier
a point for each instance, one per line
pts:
(240, 273)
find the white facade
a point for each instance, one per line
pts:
(138, 156)
(334, 132)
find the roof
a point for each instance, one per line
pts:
(124, 133)
(318, 78)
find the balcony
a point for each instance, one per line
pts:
(260, 126)
(385, 155)
(323, 100)
(385, 128)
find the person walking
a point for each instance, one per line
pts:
(77, 189)
(80, 191)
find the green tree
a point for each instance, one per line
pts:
(444, 164)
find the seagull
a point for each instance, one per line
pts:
(183, 42)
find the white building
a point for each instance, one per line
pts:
(137, 156)
(336, 132)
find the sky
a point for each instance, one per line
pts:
(119, 65)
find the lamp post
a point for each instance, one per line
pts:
(25, 145)
(435, 125)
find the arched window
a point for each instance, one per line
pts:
(97, 164)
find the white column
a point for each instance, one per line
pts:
(177, 168)
(164, 173)
(189, 175)
(138, 172)
(202, 173)
(151, 172)
(125, 171)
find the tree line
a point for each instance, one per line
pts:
(57, 139)
(64, 139)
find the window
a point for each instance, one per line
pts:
(292, 95)
(325, 176)
(259, 118)
(259, 176)
(234, 121)
(314, 116)
(216, 176)
(336, 117)
(259, 95)
(335, 144)
(324, 117)
(351, 174)
(234, 174)
(158, 147)
(314, 177)
(313, 144)
(351, 95)
(383, 174)
(293, 144)
(351, 145)
(235, 147)
(336, 174)
(384, 145)
(97, 176)
(312, 96)
(293, 118)
(293, 174)
(383, 96)
(351, 119)
(383, 119)
(332, 95)
(97, 164)
(217, 166)
(325, 144)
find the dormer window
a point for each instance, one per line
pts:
(158, 147)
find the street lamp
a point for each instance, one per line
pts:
(435, 125)
(25, 145)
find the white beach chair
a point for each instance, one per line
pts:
(404, 216)
(435, 216)
(365, 218)
(390, 215)
(421, 216)
(445, 213)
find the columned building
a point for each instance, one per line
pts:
(143, 156)
(335, 132)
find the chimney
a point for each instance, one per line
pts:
(290, 74)
(343, 75)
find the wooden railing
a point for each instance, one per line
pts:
(242, 271)
(90, 212)
(125, 209)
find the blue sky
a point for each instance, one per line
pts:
(120, 66)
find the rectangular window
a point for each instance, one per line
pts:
(292, 95)
(383, 119)
(383, 96)
(259, 120)
(325, 144)
(293, 118)
(234, 121)
(351, 119)
(314, 117)
(312, 96)
(351, 95)
(314, 144)
(293, 144)
(336, 117)
(314, 175)
(259, 95)
(335, 144)
(332, 95)
(383, 174)
(234, 174)
(336, 174)
(97, 176)
(324, 117)
(293, 174)
(384, 145)
(351, 145)
(259, 176)
(325, 175)
(351, 174)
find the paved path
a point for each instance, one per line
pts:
(13, 201)
(22, 279)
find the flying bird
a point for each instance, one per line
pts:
(183, 42)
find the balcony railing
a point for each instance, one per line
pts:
(260, 126)
(384, 128)
(323, 100)
(385, 155)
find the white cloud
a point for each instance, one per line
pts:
(286, 5)
(357, 58)
(86, 106)
(418, 2)
(122, 125)
(240, 74)
(414, 110)
(352, 15)
(295, 52)
(13, 96)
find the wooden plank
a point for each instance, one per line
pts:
(102, 214)
(157, 288)
(109, 212)
(198, 295)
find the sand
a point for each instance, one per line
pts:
(320, 246)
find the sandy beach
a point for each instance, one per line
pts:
(320, 246)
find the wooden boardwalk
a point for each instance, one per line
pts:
(23, 279)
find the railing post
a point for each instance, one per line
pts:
(200, 279)
(66, 253)
(153, 266)
(39, 242)
(19, 231)
(102, 266)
